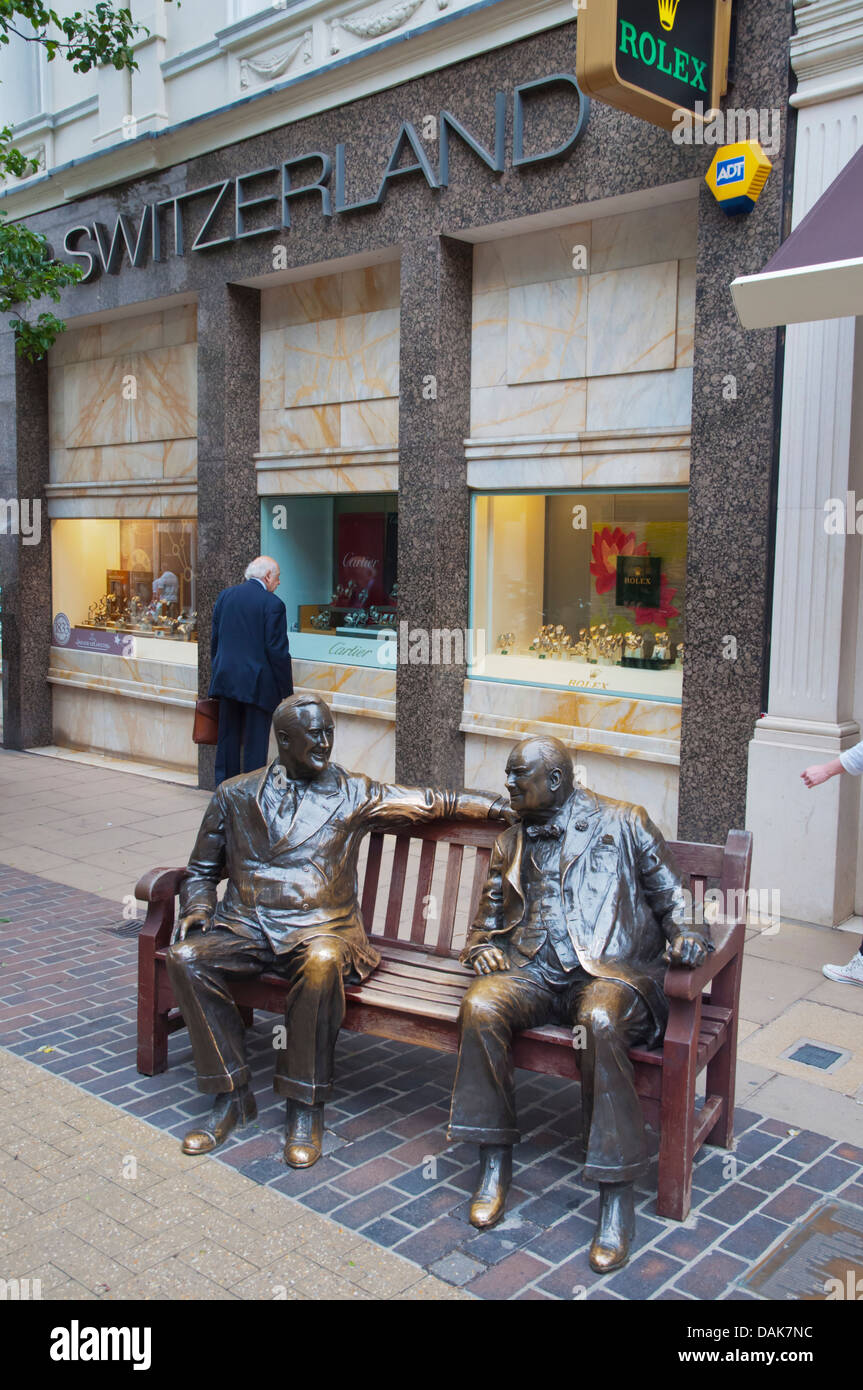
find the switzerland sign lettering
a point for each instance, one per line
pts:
(654, 57)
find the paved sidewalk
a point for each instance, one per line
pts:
(388, 1178)
(96, 1204)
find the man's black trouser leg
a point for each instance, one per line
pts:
(256, 737)
(230, 739)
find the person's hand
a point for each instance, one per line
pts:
(199, 918)
(816, 774)
(688, 950)
(489, 961)
(501, 810)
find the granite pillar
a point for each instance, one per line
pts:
(735, 427)
(25, 549)
(229, 346)
(434, 509)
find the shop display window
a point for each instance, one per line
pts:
(339, 579)
(582, 590)
(130, 578)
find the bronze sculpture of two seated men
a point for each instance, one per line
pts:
(576, 925)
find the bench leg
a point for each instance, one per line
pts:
(677, 1122)
(152, 1025)
(722, 1069)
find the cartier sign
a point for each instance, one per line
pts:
(259, 203)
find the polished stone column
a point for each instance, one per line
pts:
(806, 842)
(229, 527)
(25, 567)
(434, 513)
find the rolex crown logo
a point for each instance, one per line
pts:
(668, 13)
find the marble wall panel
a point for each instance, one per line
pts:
(180, 325)
(143, 731)
(95, 411)
(183, 504)
(312, 427)
(370, 422)
(538, 408)
(304, 301)
(686, 313)
(547, 331)
(370, 355)
(665, 233)
(105, 506)
(659, 399)
(632, 320)
(76, 345)
(139, 334)
(369, 478)
(115, 463)
(180, 458)
(362, 682)
(365, 745)
(515, 475)
(373, 287)
(165, 406)
(295, 482)
(273, 369)
(312, 363)
(659, 467)
(56, 407)
(489, 338)
(531, 259)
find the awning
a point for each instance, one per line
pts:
(818, 272)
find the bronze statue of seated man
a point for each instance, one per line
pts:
(578, 921)
(287, 837)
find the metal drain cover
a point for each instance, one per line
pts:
(820, 1258)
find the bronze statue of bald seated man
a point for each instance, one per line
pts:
(577, 924)
(287, 837)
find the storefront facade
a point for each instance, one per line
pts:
(461, 355)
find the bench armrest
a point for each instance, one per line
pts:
(159, 888)
(681, 983)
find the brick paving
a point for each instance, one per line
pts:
(67, 1004)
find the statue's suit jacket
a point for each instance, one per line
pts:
(299, 881)
(621, 897)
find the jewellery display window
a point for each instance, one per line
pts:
(128, 577)
(581, 590)
(339, 578)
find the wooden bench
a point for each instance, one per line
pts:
(414, 994)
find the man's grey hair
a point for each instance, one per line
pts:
(259, 568)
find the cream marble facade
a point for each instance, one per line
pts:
(581, 377)
(586, 327)
(123, 443)
(136, 709)
(330, 364)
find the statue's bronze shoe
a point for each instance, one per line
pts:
(231, 1109)
(495, 1175)
(305, 1135)
(615, 1228)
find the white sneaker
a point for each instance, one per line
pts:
(850, 974)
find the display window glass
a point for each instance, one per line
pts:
(339, 577)
(581, 590)
(127, 579)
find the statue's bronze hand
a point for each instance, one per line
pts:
(687, 950)
(490, 960)
(198, 918)
(501, 810)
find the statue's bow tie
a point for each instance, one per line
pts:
(544, 832)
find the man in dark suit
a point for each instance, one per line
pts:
(288, 838)
(250, 666)
(577, 923)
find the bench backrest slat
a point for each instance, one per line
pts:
(372, 876)
(480, 874)
(397, 887)
(443, 945)
(426, 870)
